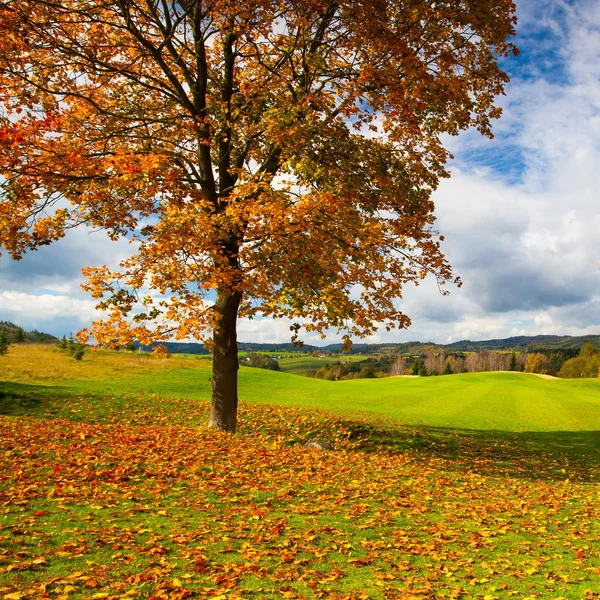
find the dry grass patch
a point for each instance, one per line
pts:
(42, 363)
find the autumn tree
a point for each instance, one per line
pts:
(585, 364)
(536, 363)
(266, 157)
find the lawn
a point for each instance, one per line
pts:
(463, 486)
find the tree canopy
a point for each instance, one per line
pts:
(271, 158)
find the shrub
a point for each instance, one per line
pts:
(3, 342)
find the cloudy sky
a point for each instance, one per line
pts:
(521, 213)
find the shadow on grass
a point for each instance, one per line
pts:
(547, 455)
(21, 399)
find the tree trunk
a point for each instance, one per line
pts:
(223, 410)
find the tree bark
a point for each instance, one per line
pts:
(223, 410)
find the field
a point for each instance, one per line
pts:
(299, 365)
(464, 486)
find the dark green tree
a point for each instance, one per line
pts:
(448, 368)
(78, 354)
(513, 362)
(19, 336)
(3, 342)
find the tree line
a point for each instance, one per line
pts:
(564, 362)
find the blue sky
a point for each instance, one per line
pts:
(520, 214)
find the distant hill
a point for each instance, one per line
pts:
(38, 337)
(195, 348)
(526, 342)
(518, 343)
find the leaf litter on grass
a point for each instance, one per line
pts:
(143, 502)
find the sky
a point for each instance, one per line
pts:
(520, 213)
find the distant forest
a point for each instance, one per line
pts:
(522, 343)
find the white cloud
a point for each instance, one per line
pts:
(33, 310)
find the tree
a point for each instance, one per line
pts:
(587, 350)
(19, 336)
(398, 367)
(513, 362)
(583, 365)
(3, 342)
(416, 367)
(536, 363)
(266, 157)
(448, 368)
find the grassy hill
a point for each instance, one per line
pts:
(480, 485)
(480, 401)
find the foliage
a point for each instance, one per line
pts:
(398, 367)
(359, 368)
(161, 351)
(19, 336)
(513, 362)
(416, 367)
(587, 364)
(3, 342)
(536, 363)
(261, 361)
(78, 354)
(588, 350)
(252, 136)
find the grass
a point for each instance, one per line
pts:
(472, 486)
(299, 365)
(48, 364)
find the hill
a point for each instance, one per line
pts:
(526, 342)
(38, 337)
(517, 343)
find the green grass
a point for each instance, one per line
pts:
(299, 365)
(472, 486)
(481, 401)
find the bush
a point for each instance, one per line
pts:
(78, 355)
